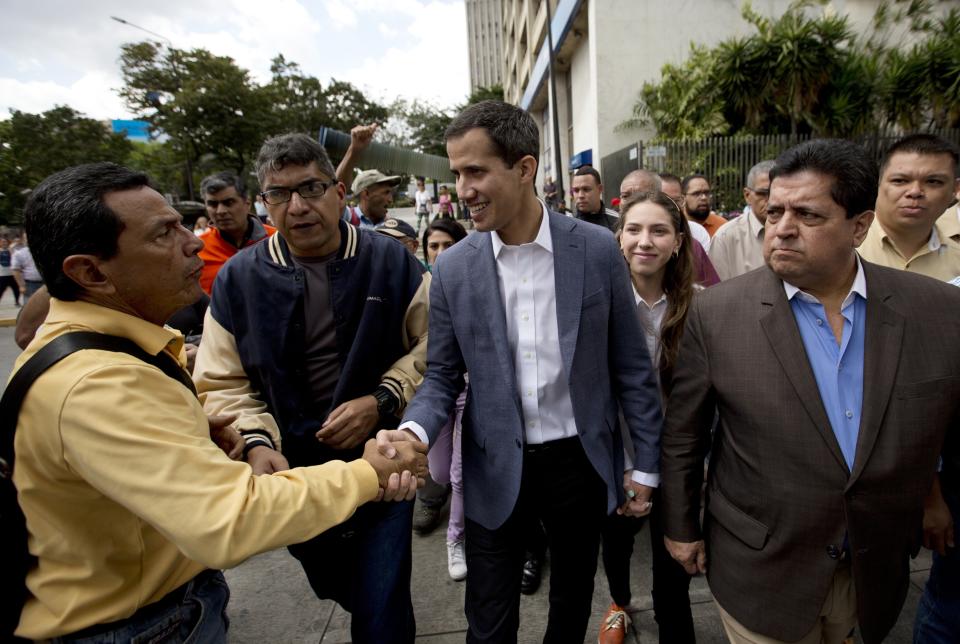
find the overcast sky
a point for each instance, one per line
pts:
(55, 52)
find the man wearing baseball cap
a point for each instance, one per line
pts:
(401, 231)
(375, 192)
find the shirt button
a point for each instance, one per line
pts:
(524, 317)
(819, 322)
(849, 414)
(532, 424)
(529, 393)
(527, 355)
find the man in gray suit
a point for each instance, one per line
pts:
(538, 309)
(836, 381)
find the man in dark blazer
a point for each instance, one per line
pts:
(538, 309)
(836, 382)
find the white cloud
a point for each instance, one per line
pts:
(341, 15)
(53, 52)
(387, 30)
(89, 95)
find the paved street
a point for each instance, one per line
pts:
(272, 601)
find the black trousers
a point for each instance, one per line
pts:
(671, 583)
(560, 488)
(9, 281)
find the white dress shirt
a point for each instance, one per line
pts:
(529, 296)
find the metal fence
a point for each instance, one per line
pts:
(724, 160)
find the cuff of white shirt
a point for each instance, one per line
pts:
(645, 478)
(416, 429)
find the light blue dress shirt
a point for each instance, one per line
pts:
(837, 368)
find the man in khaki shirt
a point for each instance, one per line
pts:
(130, 507)
(918, 181)
(737, 247)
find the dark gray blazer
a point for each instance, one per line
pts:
(604, 356)
(780, 498)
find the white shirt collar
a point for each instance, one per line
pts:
(934, 243)
(543, 239)
(639, 300)
(859, 287)
(753, 224)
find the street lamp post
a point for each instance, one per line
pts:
(189, 164)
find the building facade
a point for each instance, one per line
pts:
(484, 38)
(604, 50)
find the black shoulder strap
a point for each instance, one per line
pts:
(55, 351)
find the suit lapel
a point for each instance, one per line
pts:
(489, 302)
(568, 268)
(882, 345)
(780, 327)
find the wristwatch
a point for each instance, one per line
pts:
(386, 401)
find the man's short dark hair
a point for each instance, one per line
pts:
(669, 177)
(923, 144)
(512, 130)
(278, 152)
(65, 215)
(221, 181)
(690, 177)
(852, 171)
(588, 170)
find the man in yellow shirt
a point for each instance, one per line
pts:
(918, 180)
(130, 507)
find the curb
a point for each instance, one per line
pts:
(8, 322)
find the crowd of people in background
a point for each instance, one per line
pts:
(776, 396)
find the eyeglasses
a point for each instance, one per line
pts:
(760, 193)
(700, 193)
(312, 190)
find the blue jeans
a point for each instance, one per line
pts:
(938, 614)
(364, 565)
(195, 613)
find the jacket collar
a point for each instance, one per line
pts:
(279, 250)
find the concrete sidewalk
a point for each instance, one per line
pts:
(272, 601)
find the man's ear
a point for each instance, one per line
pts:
(528, 168)
(863, 222)
(86, 271)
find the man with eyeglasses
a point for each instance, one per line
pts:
(233, 227)
(315, 339)
(697, 197)
(737, 247)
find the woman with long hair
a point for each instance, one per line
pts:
(444, 455)
(656, 244)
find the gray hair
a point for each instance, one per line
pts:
(278, 152)
(646, 176)
(221, 181)
(764, 167)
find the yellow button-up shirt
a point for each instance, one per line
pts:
(939, 258)
(126, 497)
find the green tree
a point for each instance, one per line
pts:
(300, 103)
(205, 104)
(33, 146)
(807, 72)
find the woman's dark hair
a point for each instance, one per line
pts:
(449, 226)
(678, 277)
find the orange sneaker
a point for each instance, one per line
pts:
(613, 628)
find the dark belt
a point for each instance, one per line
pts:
(559, 444)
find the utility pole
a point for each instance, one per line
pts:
(558, 160)
(173, 59)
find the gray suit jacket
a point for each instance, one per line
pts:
(604, 356)
(780, 498)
